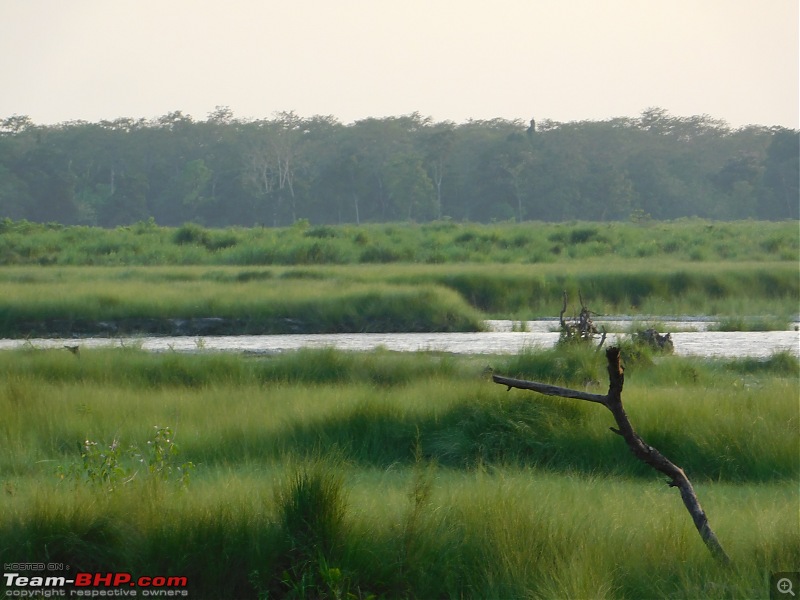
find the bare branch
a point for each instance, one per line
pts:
(602, 340)
(644, 452)
(548, 390)
(563, 310)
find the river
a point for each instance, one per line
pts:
(690, 338)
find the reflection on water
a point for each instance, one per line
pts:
(690, 338)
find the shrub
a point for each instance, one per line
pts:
(191, 233)
(110, 466)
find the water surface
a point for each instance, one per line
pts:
(690, 338)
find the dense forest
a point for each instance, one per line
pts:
(227, 171)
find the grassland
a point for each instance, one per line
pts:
(103, 300)
(325, 474)
(686, 240)
(362, 298)
(436, 277)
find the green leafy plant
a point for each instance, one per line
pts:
(110, 466)
(100, 465)
(162, 456)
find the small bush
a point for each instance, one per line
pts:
(780, 363)
(379, 254)
(321, 232)
(220, 241)
(111, 466)
(582, 235)
(191, 233)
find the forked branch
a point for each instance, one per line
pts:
(647, 454)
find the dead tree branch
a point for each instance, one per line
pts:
(647, 454)
(548, 390)
(563, 310)
(580, 328)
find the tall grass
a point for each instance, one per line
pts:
(373, 407)
(518, 533)
(234, 300)
(686, 240)
(630, 286)
(328, 474)
(112, 303)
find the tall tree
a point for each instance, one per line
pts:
(438, 144)
(779, 199)
(410, 190)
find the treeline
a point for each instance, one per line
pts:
(226, 171)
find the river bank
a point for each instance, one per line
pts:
(203, 301)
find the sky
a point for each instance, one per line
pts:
(454, 60)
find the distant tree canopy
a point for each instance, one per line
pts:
(225, 171)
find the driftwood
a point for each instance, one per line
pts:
(580, 328)
(656, 341)
(649, 455)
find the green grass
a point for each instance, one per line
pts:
(325, 473)
(361, 298)
(399, 277)
(623, 286)
(769, 323)
(329, 474)
(81, 301)
(687, 240)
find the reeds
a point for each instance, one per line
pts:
(88, 301)
(364, 298)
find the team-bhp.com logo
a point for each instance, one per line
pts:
(93, 585)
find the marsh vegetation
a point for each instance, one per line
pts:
(326, 474)
(437, 277)
(330, 474)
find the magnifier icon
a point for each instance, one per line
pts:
(784, 586)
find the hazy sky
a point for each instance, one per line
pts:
(565, 60)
